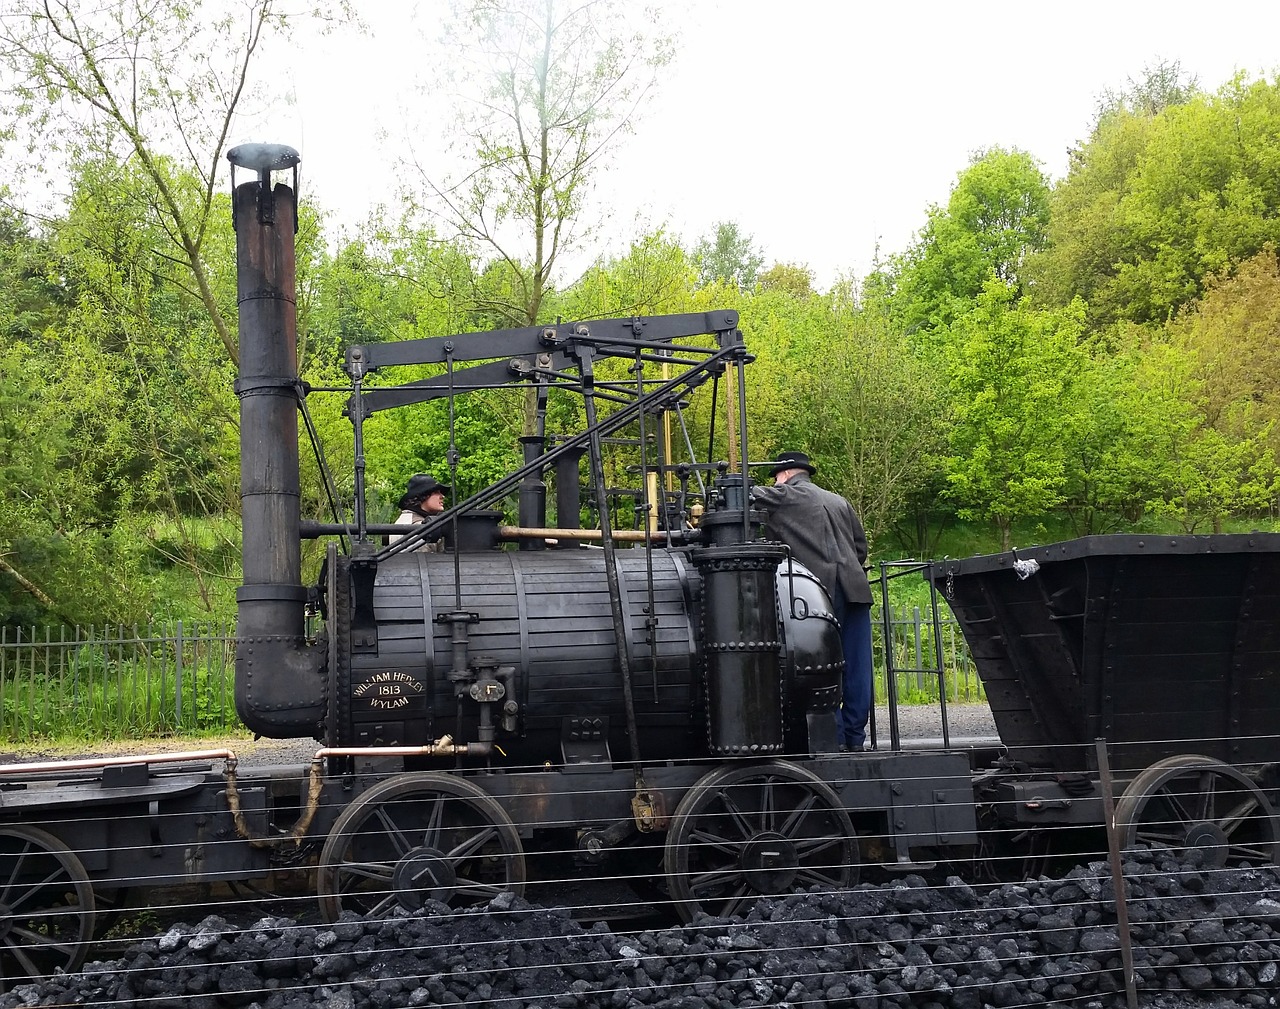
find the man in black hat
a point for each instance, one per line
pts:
(423, 498)
(824, 535)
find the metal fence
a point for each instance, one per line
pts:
(124, 682)
(914, 654)
(116, 682)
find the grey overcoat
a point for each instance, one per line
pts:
(822, 530)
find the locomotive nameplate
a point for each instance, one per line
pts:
(388, 691)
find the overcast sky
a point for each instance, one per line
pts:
(822, 128)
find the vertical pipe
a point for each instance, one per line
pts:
(919, 629)
(62, 670)
(280, 687)
(177, 678)
(596, 465)
(164, 687)
(940, 658)
(133, 677)
(1117, 874)
(47, 686)
(648, 486)
(533, 491)
(151, 712)
(222, 675)
(271, 600)
(33, 705)
(664, 435)
(569, 490)
(742, 444)
(741, 663)
(890, 675)
(730, 422)
(711, 427)
(356, 411)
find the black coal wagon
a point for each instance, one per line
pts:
(1167, 648)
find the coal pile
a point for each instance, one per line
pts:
(1201, 937)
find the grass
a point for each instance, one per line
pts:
(65, 747)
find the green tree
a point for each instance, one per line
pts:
(654, 276)
(877, 419)
(1201, 475)
(1155, 204)
(995, 217)
(157, 413)
(1231, 334)
(1113, 434)
(392, 281)
(833, 378)
(729, 257)
(547, 88)
(1161, 86)
(67, 454)
(789, 278)
(1011, 371)
(156, 83)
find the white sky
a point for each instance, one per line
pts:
(822, 128)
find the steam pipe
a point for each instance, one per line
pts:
(279, 690)
(314, 530)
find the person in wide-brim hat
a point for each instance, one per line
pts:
(423, 498)
(421, 486)
(792, 460)
(826, 536)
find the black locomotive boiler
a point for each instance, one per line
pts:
(534, 700)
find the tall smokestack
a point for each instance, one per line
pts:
(279, 680)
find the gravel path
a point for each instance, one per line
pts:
(923, 722)
(916, 723)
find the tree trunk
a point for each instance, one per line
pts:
(28, 584)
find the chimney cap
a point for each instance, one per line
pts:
(264, 158)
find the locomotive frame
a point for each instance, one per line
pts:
(695, 741)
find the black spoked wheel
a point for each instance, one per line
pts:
(419, 837)
(1195, 803)
(46, 906)
(748, 831)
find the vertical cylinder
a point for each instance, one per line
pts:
(280, 688)
(741, 647)
(272, 598)
(533, 491)
(569, 489)
(724, 525)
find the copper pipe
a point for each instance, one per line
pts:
(92, 763)
(622, 535)
(442, 747)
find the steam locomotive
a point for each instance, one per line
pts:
(655, 702)
(574, 687)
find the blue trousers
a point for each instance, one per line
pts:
(855, 636)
